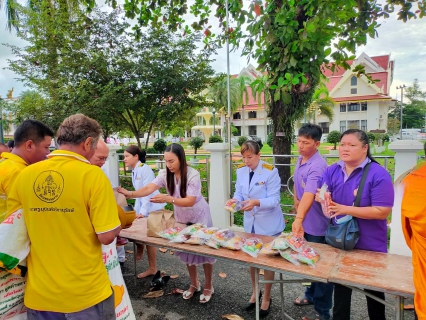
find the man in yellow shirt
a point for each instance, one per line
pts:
(32, 141)
(68, 214)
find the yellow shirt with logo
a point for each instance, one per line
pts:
(66, 203)
(10, 166)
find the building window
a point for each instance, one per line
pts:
(236, 116)
(363, 106)
(364, 125)
(252, 114)
(353, 124)
(343, 107)
(269, 128)
(252, 130)
(325, 127)
(354, 106)
(342, 126)
(354, 81)
(353, 90)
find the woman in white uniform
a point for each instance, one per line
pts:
(142, 175)
(258, 187)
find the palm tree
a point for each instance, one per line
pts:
(260, 88)
(321, 104)
(12, 16)
(243, 82)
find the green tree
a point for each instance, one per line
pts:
(244, 97)
(393, 126)
(291, 41)
(261, 93)
(334, 137)
(196, 143)
(321, 104)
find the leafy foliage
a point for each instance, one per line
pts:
(334, 137)
(371, 137)
(269, 139)
(196, 143)
(215, 139)
(241, 140)
(160, 145)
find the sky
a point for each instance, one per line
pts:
(405, 42)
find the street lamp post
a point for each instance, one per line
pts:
(214, 121)
(402, 105)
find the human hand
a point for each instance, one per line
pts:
(317, 195)
(337, 209)
(125, 192)
(161, 198)
(230, 202)
(248, 205)
(140, 216)
(297, 228)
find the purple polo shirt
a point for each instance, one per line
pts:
(307, 178)
(378, 191)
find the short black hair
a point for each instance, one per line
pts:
(11, 143)
(31, 130)
(311, 131)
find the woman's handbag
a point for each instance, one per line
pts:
(158, 221)
(345, 235)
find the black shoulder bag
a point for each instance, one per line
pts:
(346, 235)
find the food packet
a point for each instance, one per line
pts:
(252, 246)
(296, 243)
(308, 256)
(325, 197)
(170, 233)
(180, 238)
(235, 243)
(223, 235)
(279, 244)
(290, 255)
(192, 228)
(196, 240)
(205, 233)
(213, 243)
(234, 207)
(268, 248)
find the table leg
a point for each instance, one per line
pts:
(282, 296)
(256, 286)
(399, 308)
(134, 257)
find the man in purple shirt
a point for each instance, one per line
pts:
(310, 222)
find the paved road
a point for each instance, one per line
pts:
(231, 294)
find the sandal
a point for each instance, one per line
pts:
(302, 301)
(205, 298)
(313, 315)
(189, 294)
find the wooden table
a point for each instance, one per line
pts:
(356, 269)
(384, 272)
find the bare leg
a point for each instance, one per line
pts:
(152, 262)
(139, 251)
(269, 275)
(253, 286)
(195, 283)
(208, 274)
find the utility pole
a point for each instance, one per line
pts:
(1, 121)
(402, 105)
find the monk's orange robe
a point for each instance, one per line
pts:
(414, 227)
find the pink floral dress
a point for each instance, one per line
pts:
(198, 213)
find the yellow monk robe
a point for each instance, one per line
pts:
(414, 228)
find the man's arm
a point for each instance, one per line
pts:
(109, 236)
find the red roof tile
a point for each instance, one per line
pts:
(382, 61)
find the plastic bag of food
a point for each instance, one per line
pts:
(268, 248)
(213, 243)
(325, 197)
(223, 235)
(170, 233)
(308, 256)
(290, 255)
(235, 243)
(233, 206)
(180, 238)
(205, 233)
(192, 228)
(252, 246)
(196, 240)
(296, 243)
(279, 244)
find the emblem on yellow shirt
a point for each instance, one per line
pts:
(48, 186)
(141, 164)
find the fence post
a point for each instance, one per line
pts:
(405, 159)
(219, 191)
(111, 166)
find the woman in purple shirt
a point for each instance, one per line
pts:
(343, 180)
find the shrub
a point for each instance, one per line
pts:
(241, 140)
(215, 139)
(371, 137)
(386, 138)
(160, 145)
(270, 139)
(196, 143)
(151, 150)
(334, 137)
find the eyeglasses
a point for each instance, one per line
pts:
(104, 159)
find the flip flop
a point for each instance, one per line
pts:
(302, 301)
